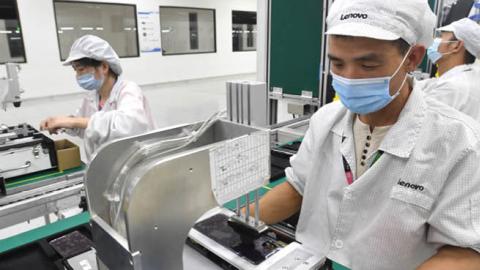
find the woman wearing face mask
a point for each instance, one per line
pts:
(113, 108)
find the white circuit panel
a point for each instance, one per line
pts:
(240, 165)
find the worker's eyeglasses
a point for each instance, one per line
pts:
(78, 67)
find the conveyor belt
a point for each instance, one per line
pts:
(15, 185)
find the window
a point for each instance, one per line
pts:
(11, 40)
(187, 30)
(244, 31)
(116, 23)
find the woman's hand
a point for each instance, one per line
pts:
(54, 124)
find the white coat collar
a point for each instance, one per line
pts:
(456, 70)
(402, 136)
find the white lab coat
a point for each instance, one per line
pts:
(125, 113)
(459, 87)
(421, 194)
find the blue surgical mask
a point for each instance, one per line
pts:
(364, 96)
(432, 52)
(88, 82)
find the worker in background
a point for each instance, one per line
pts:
(113, 107)
(384, 179)
(454, 52)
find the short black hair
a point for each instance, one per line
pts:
(90, 62)
(469, 58)
(401, 45)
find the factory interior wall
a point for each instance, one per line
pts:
(44, 76)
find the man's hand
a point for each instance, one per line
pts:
(54, 124)
(278, 204)
(449, 258)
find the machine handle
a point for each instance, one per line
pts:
(27, 164)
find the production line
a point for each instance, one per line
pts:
(354, 148)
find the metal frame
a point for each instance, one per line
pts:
(302, 99)
(98, 3)
(40, 184)
(40, 201)
(325, 62)
(269, 41)
(289, 131)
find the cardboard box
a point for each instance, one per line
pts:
(68, 155)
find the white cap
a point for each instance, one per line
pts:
(467, 31)
(410, 20)
(93, 47)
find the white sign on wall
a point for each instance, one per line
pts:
(149, 31)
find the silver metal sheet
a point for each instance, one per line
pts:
(178, 192)
(229, 101)
(245, 106)
(108, 162)
(259, 104)
(112, 249)
(167, 193)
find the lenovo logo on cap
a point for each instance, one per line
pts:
(353, 16)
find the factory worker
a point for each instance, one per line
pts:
(385, 179)
(113, 107)
(454, 52)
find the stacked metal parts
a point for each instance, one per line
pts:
(247, 103)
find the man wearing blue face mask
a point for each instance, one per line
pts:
(384, 179)
(113, 108)
(454, 52)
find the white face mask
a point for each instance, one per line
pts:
(88, 82)
(364, 96)
(432, 52)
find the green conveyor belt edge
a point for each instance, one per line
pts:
(43, 232)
